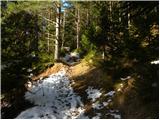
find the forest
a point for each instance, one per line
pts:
(79, 59)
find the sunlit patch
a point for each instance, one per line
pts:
(54, 98)
(155, 62)
(119, 89)
(128, 77)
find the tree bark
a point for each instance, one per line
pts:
(119, 5)
(36, 36)
(56, 55)
(48, 34)
(64, 19)
(87, 18)
(129, 21)
(78, 27)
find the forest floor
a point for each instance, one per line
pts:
(80, 97)
(82, 90)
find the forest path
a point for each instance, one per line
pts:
(56, 94)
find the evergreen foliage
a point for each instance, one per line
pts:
(123, 36)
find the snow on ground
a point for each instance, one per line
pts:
(71, 58)
(93, 94)
(116, 116)
(54, 98)
(97, 105)
(123, 79)
(75, 54)
(98, 115)
(67, 57)
(111, 93)
(107, 103)
(155, 62)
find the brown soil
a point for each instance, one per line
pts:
(80, 69)
(85, 74)
(72, 71)
(54, 69)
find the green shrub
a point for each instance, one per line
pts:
(91, 55)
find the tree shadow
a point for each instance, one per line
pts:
(140, 89)
(19, 53)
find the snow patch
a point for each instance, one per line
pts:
(97, 106)
(37, 112)
(93, 94)
(155, 62)
(67, 57)
(29, 70)
(55, 99)
(111, 93)
(30, 75)
(74, 54)
(105, 103)
(98, 115)
(116, 116)
(128, 77)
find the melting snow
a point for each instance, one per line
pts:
(93, 93)
(116, 116)
(128, 77)
(54, 98)
(74, 54)
(111, 93)
(105, 103)
(67, 57)
(155, 62)
(29, 70)
(98, 115)
(30, 75)
(97, 105)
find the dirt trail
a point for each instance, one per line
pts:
(85, 80)
(54, 69)
(71, 71)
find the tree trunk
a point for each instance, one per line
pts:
(119, 5)
(36, 36)
(48, 34)
(64, 19)
(78, 27)
(129, 21)
(56, 54)
(87, 18)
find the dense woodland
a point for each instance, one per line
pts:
(120, 37)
